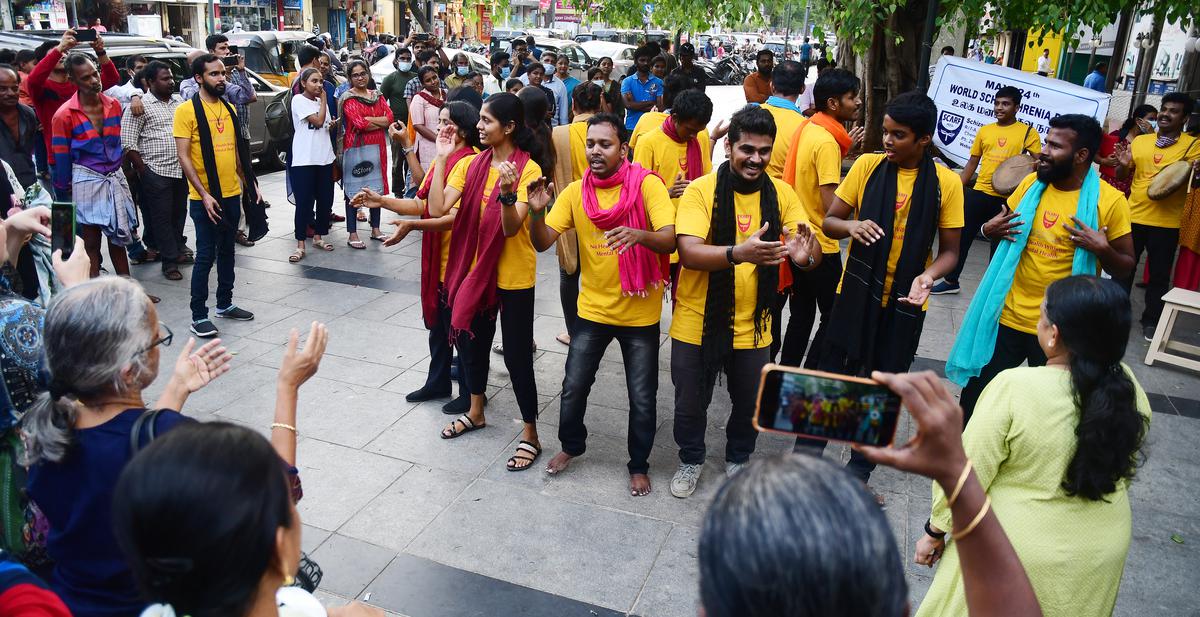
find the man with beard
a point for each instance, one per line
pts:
(734, 227)
(1063, 222)
(757, 85)
(49, 86)
(626, 227)
(207, 142)
(641, 91)
(87, 165)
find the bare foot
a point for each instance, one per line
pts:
(558, 463)
(639, 484)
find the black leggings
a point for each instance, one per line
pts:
(474, 349)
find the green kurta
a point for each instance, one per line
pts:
(1021, 439)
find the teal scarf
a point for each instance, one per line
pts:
(977, 337)
(782, 103)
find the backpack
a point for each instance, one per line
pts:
(279, 120)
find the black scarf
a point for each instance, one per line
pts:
(717, 341)
(867, 336)
(256, 215)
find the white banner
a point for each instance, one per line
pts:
(964, 90)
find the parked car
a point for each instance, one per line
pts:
(549, 33)
(621, 54)
(271, 54)
(121, 46)
(581, 60)
(504, 35)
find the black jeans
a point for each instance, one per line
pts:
(811, 291)
(1160, 244)
(312, 187)
(979, 208)
(474, 352)
(568, 294)
(373, 215)
(440, 354)
(1012, 348)
(164, 204)
(639, 350)
(214, 243)
(693, 393)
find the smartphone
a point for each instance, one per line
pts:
(87, 35)
(230, 61)
(233, 50)
(808, 403)
(62, 227)
(421, 36)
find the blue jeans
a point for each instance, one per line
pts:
(214, 242)
(639, 350)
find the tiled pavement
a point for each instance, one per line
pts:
(429, 528)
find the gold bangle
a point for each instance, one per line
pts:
(962, 481)
(286, 426)
(987, 505)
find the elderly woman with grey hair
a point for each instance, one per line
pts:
(801, 537)
(102, 343)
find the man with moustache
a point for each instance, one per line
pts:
(207, 136)
(1062, 221)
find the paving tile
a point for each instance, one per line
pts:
(392, 344)
(416, 438)
(277, 333)
(320, 298)
(621, 546)
(337, 368)
(349, 565)
(339, 481)
(406, 507)
(1160, 574)
(312, 537)
(672, 589)
(387, 305)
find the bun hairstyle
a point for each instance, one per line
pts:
(509, 109)
(1093, 319)
(196, 514)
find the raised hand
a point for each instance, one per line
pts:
(801, 245)
(445, 140)
(677, 187)
(540, 194)
(508, 177)
(856, 135)
(719, 130)
(196, 370)
(866, 232)
(1124, 155)
(301, 364)
(760, 252)
(1003, 226)
(68, 41)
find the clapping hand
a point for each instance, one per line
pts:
(678, 186)
(446, 138)
(540, 194)
(801, 245)
(1124, 155)
(301, 364)
(760, 252)
(196, 370)
(856, 135)
(866, 232)
(508, 177)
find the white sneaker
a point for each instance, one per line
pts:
(732, 468)
(684, 482)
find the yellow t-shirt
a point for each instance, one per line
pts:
(667, 157)
(1147, 162)
(462, 163)
(786, 123)
(578, 143)
(818, 162)
(995, 144)
(1049, 253)
(694, 218)
(949, 217)
(223, 129)
(648, 122)
(518, 260)
(600, 298)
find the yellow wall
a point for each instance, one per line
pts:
(1053, 42)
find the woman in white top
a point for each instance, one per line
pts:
(311, 173)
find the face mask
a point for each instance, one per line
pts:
(598, 82)
(1153, 125)
(405, 66)
(463, 70)
(505, 71)
(549, 69)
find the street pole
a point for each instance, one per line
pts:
(931, 12)
(805, 19)
(212, 27)
(1116, 65)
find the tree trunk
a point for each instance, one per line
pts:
(890, 67)
(418, 13)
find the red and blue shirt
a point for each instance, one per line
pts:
(74, 140)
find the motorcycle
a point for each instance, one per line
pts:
(731, 71)
(712, 78)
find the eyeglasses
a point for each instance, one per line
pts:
(164, 340)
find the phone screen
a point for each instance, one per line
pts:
(62, 227)
(86, 35)
(233, 50)
(230, 61)
(827, 406)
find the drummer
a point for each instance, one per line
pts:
(1056, 230)
(1156, 222)
(994, 144)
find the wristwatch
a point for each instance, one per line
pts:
(729, 255)
(811, 263)
(508, 199)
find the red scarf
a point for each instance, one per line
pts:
(432, 100)
(639, 267)
(476, 237)
(695, 160)
(431, 246)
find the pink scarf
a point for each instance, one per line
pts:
(695, 160)
(639, 267)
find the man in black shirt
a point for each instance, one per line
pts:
(687, 55)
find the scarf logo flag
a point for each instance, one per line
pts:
(1002, 141)
(901, 199)
(1158, 159)
(743, 222)
(949, 124)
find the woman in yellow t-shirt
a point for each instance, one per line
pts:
(492, 264)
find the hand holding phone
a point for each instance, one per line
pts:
(826, 406)
(86, 35)
(230, 61)
(62, 228)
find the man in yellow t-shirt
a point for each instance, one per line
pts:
(215, 213)
(1156, 222)
(994, 143)
(818, 155)
(626, 226)
(667, 155)
(888, 206)
(734, 227)
(571, 160)
(1054, 236)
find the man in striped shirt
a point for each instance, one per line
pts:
(85, 144)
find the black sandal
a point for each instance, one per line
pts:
(468, 426)
(524, 448)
